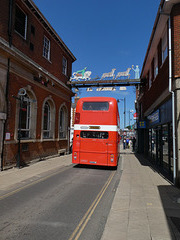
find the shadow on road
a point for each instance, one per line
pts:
(95, 167)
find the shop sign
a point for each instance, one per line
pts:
(8, 136)
(141, 124)
(154, 117)
(135, 116)
(105, 89)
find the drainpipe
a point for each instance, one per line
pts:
(173, 102)
(10, 22)
(7, 81)
(5, 121)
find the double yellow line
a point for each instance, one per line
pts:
(82, 224)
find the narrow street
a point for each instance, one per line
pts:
(72, 203)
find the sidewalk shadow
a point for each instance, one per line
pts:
(154, 166)
(143, 160)
(170, 198)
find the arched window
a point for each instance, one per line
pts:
(24, 117)
(46, 122)
(63, 119)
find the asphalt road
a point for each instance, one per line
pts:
(71, 204)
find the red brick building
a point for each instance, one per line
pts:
(35, 102)
(159, 96)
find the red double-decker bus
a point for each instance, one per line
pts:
(96, 132)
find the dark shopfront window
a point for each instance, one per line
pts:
(152, 143)
(161, 148)
(165, 148)
(171, 165)
(159, 153)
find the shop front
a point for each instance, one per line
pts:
(160, 145)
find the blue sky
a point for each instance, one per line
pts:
(102, 35)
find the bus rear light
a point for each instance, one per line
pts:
(77, 118)
(75, 155)
(112, 157)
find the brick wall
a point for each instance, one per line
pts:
(176, 40)
(158, 86)
(4, 12)
(24, 75)
(54, 66)
(36, 148)
(161, 82)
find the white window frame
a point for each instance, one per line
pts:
(46, 48)
(46, 132)
(150, 78)
(25, 103)
(156, 65)
(164, 46)
(25, 23)
(63, 122)
(31, 118)
(64, 66)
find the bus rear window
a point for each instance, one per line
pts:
(94, 134)
(96, 106)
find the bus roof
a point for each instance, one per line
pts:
(97, 114)
(97, 99)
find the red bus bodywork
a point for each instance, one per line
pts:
(96, 132)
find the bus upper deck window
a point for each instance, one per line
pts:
(96, 106)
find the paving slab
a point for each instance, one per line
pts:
(145, 206)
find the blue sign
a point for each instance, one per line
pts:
(141, 124)
(154, 117)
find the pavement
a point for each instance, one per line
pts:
(146, 206)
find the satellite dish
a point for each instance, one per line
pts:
(22, 92)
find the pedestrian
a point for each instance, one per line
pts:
(124, 143)
(130, 143)
(133, 144)
(127, 142)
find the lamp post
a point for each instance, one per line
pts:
(21, 96)
(130, 111)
